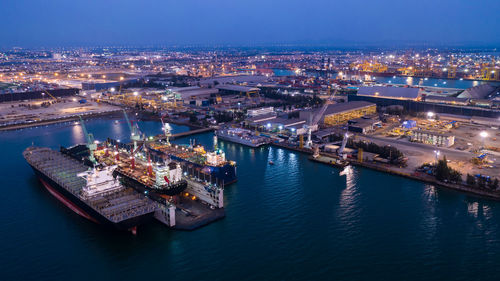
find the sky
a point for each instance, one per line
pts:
(61, 23)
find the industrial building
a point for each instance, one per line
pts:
(484, 91)
(433, 138)
(340, 113)
(363, 125)
(446, 100)
(237, 90)
(404, 93)
(260, 111)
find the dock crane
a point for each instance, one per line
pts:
(166, 128)
(91, 144)
(340, 152)
(135, 134)
(314, 120)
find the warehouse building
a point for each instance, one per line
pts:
(340, 113)
(363, 125)
(402, 93)
(260, 111)
(237, 90)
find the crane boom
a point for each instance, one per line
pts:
(92, 146)
(50, 95)
(316, 118)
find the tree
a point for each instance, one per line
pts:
(442, 171)
(193, 118)
(445, 173)
(481, 182)
(471, 180)
(493, 184)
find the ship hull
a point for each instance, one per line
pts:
(82, 209)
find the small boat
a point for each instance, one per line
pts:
(271, 162)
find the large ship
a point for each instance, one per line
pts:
(211, 166)
(91, 192)
(242, 136)
(142, 172)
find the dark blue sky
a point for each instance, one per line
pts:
(241, 22)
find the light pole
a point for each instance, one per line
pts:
(483, 136)
(436, 153)
(430, 115)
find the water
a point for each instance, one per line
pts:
(283, 72)
(295, 220)
(433, 82)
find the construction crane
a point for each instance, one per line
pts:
(135, 134)
(91, 144)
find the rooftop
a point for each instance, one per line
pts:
(346, 106)
(237, 88)
(389, 92)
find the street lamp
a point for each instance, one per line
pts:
(430, 115)
(483, 135)
(437, 152)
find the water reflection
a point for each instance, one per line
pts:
(348, 205)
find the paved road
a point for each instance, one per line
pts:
(450, 152)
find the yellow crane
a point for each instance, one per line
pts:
(50, 95)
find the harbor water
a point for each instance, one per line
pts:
(294, 220)
(433, 82)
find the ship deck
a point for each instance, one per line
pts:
(117, 205)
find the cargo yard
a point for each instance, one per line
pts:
(26, 113)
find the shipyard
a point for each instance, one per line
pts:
(250, 140)
(340, 113)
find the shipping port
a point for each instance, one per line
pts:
(124, 185)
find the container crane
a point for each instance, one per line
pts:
(91, 144)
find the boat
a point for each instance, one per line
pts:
(138, 170)
(195, 160)
(91, 192)
(241, 136)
